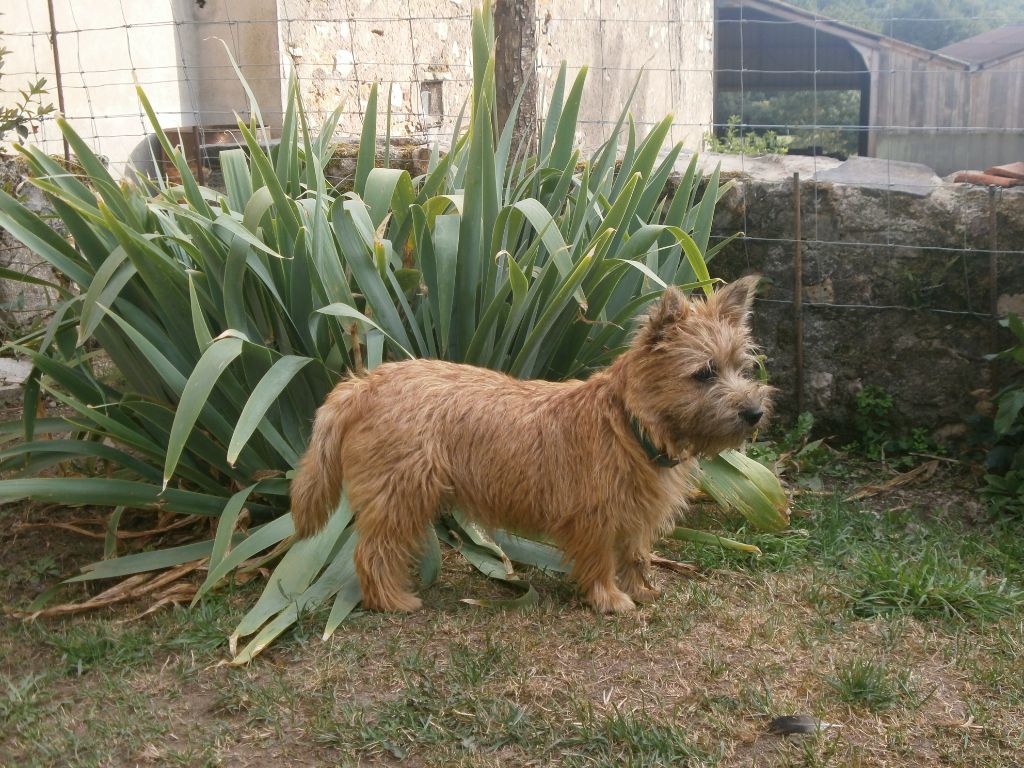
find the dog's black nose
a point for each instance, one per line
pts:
(751, 415)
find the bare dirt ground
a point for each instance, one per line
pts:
(895, 619)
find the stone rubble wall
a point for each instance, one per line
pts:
(897, 291)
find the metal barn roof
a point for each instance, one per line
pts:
(988, 46)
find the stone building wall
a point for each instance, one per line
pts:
(172, 49)
(420, 51)
(670, 41)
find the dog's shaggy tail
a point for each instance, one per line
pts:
(316, 488)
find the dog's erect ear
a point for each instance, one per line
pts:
(663, 315)
(733, 302)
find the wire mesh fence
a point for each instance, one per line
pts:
(844, 94)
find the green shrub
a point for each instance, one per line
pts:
(23, 115)
(880, 437)
(1003, 435)
(229, 316)
(805, 115)
(793, 452)
(750, 142)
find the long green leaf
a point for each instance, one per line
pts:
(265, 393)
(738, 482)
(106, 285)
(222, 539)
(343, 310)
(337, 579)
(103, 492)
(42, 240)
(712, 539)
(258, 540)
(144, 562)
(193, 398)
(367, 143)
(68, 448)
(299, 566)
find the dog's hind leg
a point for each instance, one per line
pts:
(384, 553)
(392, 515)
(592, 550)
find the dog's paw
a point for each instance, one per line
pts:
(645, 594)
(403, 602)
(636, 582)
(610, 600)
(407, 603)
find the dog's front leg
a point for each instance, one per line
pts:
(634, 556)
(592, 549)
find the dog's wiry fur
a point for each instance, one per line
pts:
(559, 459)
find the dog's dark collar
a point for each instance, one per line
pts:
(659, 457)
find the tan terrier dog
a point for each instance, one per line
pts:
(600, 466)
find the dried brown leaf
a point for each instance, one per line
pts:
(128, 589)
(918, 474)
(179, 593)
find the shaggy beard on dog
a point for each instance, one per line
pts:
(569, 460)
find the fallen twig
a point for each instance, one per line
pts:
(677, 567)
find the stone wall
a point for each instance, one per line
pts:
(670, 41)
(421, 53)
(896, 285)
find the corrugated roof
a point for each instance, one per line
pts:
(988, 46)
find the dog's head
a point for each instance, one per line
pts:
(698, 374)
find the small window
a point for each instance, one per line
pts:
(432, 99)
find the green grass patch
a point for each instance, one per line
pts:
(86, 647)
(19, 699)
(633, 739)
(869, 684)
(932, 583)
(874, 614)
(443, 702)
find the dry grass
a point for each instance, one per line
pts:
(691, 680)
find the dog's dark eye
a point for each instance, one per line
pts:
(707, 373)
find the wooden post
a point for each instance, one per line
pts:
(798, 295)
(515, 64)
(993, 267)
(59, 77)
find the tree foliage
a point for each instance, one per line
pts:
(826, 121)
(28, 109)
(931, 24)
